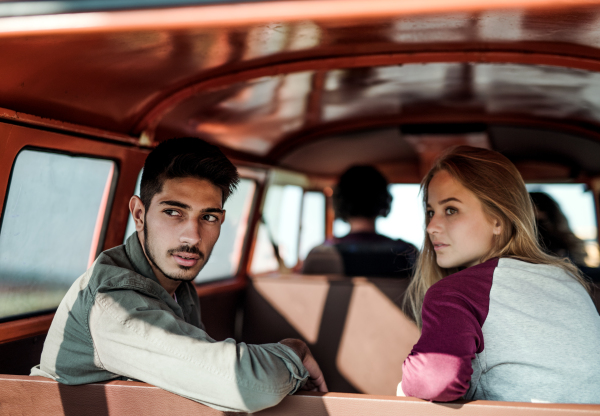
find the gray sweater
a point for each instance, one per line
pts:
(507, 330)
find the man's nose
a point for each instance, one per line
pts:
(191, 234)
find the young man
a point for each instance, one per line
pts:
(360, 197)
(135, 313)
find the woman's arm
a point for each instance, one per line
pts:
(439, 366)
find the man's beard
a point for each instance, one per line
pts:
(185, 249)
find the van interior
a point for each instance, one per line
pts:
(294, 92)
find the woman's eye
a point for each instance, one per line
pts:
(429, 214)
(450, 211)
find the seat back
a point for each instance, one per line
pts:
(388, 259)
(23, 395)
(354, 327)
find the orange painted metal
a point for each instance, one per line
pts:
(118, 74)
(252, 230)
(228, 15)
(25, 328)
(293, 141)
(169, 105)
(223, 286)
(129, 160)
(100, 217)
(69, 128)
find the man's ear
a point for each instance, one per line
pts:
(223, 217)
(138, 211)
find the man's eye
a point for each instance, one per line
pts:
(211, 218)
(451, 211)
(171, 212)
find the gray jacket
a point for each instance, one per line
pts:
(117, 322)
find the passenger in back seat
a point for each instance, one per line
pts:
(553, 229)
(501, 319)
(135, 313)
(359, 198)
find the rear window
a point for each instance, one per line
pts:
(577, 205)
(51, 227)
(406, 219)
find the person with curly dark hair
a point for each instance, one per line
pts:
(360, 197)
(554, 232)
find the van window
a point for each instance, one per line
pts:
(280, 226)
(312, 228)
(225, 258)
(51, 227)
(130, 224)
(406, 218)
(577, 204)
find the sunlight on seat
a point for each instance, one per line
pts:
(377, 338)
(301, 303)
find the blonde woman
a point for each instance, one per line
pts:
(500, 318)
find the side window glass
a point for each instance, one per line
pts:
(130, 223)
(280, 227)
(405, 221)
(225, 257)
(51, 227)
(578, 208)
(312, 231)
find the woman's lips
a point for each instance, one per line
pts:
(439, 246)
(186, 259)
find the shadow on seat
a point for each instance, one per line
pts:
(354, 327)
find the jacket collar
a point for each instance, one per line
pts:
(140, 263)
(138, 259)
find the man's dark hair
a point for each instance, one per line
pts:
(187, 157)
(362, 192)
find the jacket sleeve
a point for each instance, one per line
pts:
(144, 341)
(439, 366)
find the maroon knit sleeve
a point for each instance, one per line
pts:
(454, 310)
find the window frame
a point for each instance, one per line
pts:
(16, 138)
(100, 227)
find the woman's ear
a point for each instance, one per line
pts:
(497, 230)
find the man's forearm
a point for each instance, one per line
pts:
(298, 346)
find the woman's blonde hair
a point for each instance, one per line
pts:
(499, 186)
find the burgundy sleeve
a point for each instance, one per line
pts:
(454, 310)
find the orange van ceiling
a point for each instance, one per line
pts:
(256, 77)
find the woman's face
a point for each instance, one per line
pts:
(461, 233)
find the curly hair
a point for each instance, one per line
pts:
(362, 192)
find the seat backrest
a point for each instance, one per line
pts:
(388, 259)
(23, 395)
(354, 327)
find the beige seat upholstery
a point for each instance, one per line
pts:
(354, 327)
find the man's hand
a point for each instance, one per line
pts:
(316, 381)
